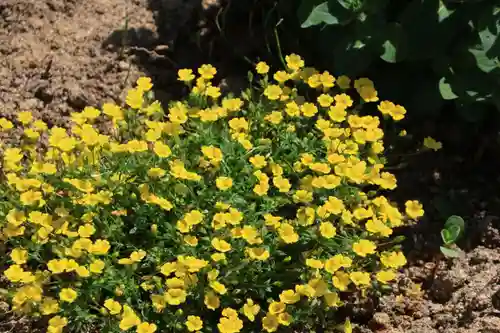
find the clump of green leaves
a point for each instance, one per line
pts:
(440, 50)
(453, 229)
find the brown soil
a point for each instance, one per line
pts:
(57, 56)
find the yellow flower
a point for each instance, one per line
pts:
(25, 117)
(343, 82)
(161, 149)
(289, 296)
(273, 92)
(100, 247)
(314, 263)
(135, 98)
(270, 323)
(282, 184)
(144, 84)
(262, 68)
(86, 230)
(146, 328)
(287, 233)
(175, 296)
(218, 287)
(364, 247)
(398, 113)
(194, 323)
(360, 278)
(277, 307)
(19, 256)
(386, 276)
(58, 322)
(294, 62)
(274, 117)
(213, 92)
(332, 299)
(221, 245)
(207, 72)
(343, 100)
(129, 319)
(327, 230)
(393, 259)
(97, 266)
(308, 109)
(341, 280)
(327, 80)
(414, 209)
(281, 76)
(68, 295)
(285, 319)
(191, 240)
(230, 325)
(49, 306)
(303, 196)
(258, 161)
(325, 100)
(250, 309)
(432, 144)
(229, 313)
(224, 183)
(113, 306)
(258, 253)
(6, 124)
(211, 300)
(185, 75)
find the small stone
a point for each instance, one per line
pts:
(29, 104)
(381, 320)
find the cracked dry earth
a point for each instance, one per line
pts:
(57, 56)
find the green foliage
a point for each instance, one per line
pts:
(433, 50)
(452, 231)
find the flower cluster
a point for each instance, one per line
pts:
(217, 214)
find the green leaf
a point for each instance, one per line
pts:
(443, 11)
(446, 90)
(455, 221)
(485, 63)
(320, 14)
(389, 54)
(394, 43)
(453, 229)
(450, 253)
(447, 237)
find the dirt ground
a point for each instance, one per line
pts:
(57, 56)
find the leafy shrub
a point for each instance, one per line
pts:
(217, 214)
(432, 50)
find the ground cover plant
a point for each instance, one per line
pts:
(437, 50)
(216, 213)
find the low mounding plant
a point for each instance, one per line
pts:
(226, 214)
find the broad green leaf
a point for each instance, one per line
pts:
(453, 229)
(447, 237)
(446, 90)
(455, 220)
(390, 51)
(484, 63)
(320, 14)
(443, 11)
(450, 253)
